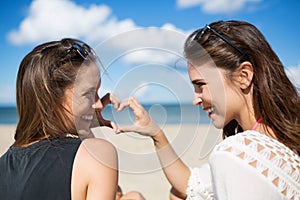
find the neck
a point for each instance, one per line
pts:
(259, 126)
(247, 120)
(264, 129)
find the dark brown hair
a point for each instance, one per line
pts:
(275, 98)
(43, 77)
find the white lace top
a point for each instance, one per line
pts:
(248, 166)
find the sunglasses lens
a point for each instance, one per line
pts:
(80, 49)
(207, 27)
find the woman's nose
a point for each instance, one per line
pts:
(98, 104)
(197, 101)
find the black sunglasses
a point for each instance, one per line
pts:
(85, 51)
(82, 49)
(206, 28)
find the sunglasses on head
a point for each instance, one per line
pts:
(82, 49)
(201, 32)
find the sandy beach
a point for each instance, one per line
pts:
(139, 168)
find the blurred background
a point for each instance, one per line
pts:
(138, 42)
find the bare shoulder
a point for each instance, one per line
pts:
(98, 150)
(95, 170)
(99, 144)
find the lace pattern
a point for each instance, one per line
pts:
(279, 164)
(196, 188)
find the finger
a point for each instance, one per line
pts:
(131, 128)
(123, 104)
(115, 101)
(101, 120)
(114, 126)
(137, 108)
(106, 99)
(132, 103)
(136, 102)
(118, 131)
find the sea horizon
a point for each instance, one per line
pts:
(161, 113)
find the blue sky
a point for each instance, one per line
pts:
(147, 73)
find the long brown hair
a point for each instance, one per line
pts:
(43, 77)
(275, 98)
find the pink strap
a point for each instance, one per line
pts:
(257, 123)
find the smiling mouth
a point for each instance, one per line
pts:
(87, 117)
(210, 110)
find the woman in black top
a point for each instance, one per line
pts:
(57, 98)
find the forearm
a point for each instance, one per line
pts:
(174, 168)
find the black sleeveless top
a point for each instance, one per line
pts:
(40, 171)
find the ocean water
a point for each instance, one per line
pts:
(8, 115)
(160, 113)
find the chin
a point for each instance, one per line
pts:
(218, 124)
(84, 133)
(83, 126)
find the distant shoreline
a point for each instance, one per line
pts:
(168, 113)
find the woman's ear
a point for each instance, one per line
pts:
(245, 74)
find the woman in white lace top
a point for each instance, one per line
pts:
(240, 82)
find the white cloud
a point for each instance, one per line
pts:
(144, 45)
(151, 45)
(293, 73)
(48, 20)
(215, 6)
(150, 56)
(117, 39)
(96, 24)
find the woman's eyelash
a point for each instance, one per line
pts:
(199, 84)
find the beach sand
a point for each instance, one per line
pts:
(139, 168)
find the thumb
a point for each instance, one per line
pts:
(131, 128)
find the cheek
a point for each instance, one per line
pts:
(206, 95)
(82, 105)
(233, 105)
(235, 101)
(218, 95)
